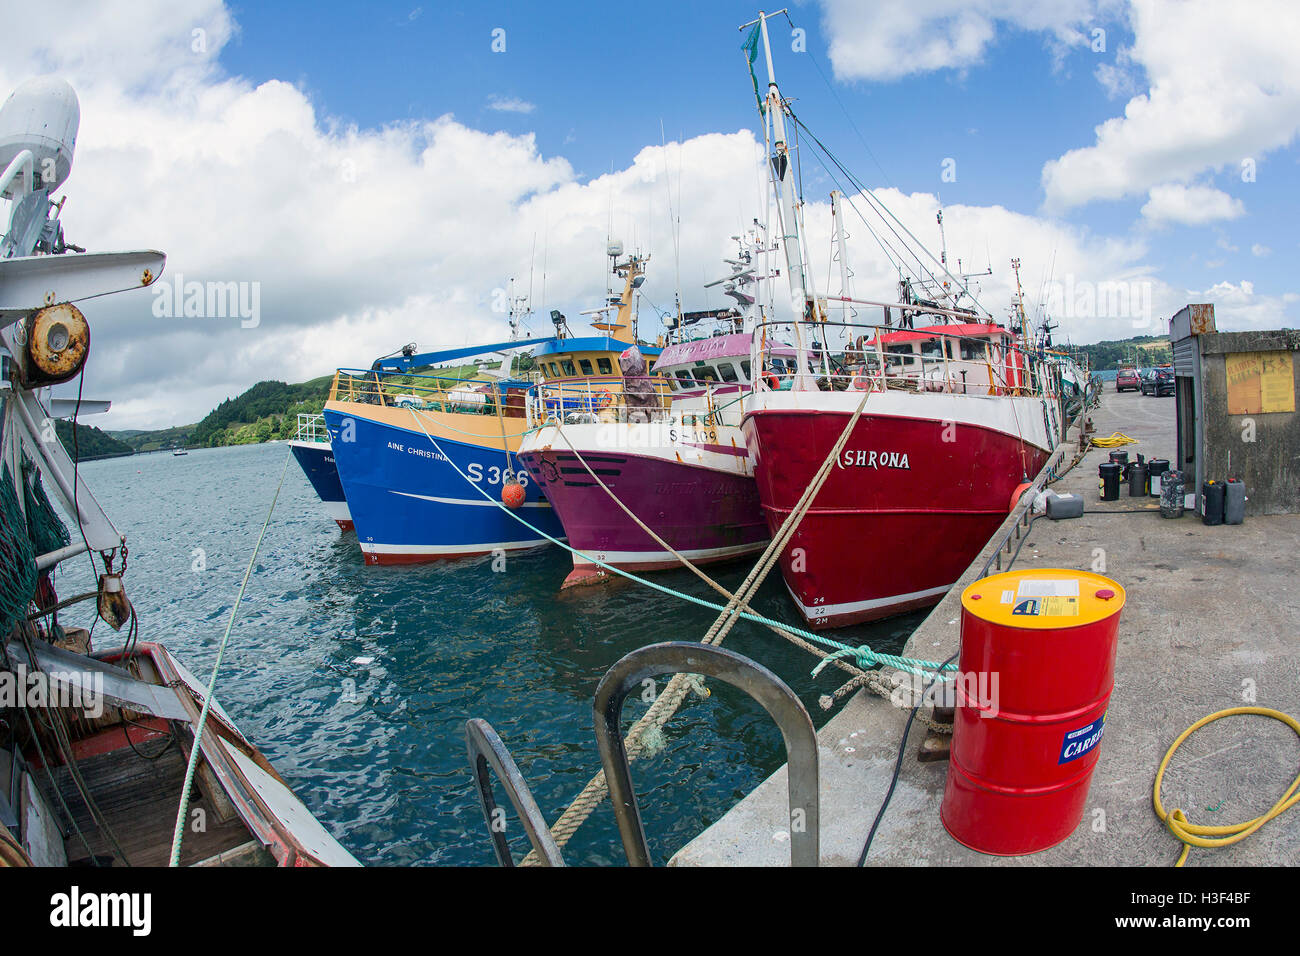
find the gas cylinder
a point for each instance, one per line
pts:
(1109, 473)
(1137, 478)
(1032, 690)
(1172, 494)
(1156, 468)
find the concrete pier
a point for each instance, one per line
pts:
(1212, 622)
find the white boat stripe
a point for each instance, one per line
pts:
(369, 547)
(629, 557)
(481, 503)
(850, 607)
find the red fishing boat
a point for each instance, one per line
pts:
(953, 414)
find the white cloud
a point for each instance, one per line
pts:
(1259, 250)
(1190, 205)
(360, 240)
(870, 40)
(1238, 306)
(1224, 88)
(365, 239)
(510, 104)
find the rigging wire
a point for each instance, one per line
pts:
(886, 215)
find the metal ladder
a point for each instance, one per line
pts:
(672, 657)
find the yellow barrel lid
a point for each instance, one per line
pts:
(1043, 598)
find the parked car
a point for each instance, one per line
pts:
(1127, 378)
(1160, 382)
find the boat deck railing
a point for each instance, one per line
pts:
(598, 399)
(423, 391)
(958, 363)
(312, 428)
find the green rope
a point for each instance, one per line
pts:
(866, 658)
(863, 653)
(179, 833)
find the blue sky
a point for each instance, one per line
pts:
(379, 173)
(601, 81)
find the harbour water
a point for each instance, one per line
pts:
(356, 681)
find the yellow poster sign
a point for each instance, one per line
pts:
(1260, 382)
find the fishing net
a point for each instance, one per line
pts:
(46, 528)
(17, 559)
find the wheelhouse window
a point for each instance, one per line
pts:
(727, 371)
(684, 377)
(706, 373)
(744, 369)
(972, 349)
(604, 366)
(567, 365)
(586, 367)
(931, 347)
(555, 370)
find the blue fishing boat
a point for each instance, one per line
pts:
(311, 449)
(426, 456)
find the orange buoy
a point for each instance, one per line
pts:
(513, 494)
(1015, 495)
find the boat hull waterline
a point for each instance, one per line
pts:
(407, 497)
(317, 462)
(921, 485)
(695, 490)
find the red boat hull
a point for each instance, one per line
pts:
(908, 506)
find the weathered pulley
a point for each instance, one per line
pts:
(58, 341)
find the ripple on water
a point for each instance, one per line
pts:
(377, 750)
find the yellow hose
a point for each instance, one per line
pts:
(1113, 440)
(1192, 834)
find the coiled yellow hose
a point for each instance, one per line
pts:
(1192, 834)
(1113, 440)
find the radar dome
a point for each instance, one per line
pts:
(41, 115)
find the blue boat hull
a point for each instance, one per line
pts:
(317, 462)
(410, 505)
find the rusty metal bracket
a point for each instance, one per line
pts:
(486, 750)
(689, 657)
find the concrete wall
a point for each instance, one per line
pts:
(1269, 465)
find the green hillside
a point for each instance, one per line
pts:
(90, 442)
(177, 437)
(1141, 350)
(268, 410)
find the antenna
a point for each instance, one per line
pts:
(674, 223)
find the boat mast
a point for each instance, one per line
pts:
(622, 328)
(1020, 302)
(782, 175)
(837, 221)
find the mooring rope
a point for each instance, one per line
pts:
(667, 703)
(178, 834)
(864, 654)
(868, 656)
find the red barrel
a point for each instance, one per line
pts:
(1036, 672)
